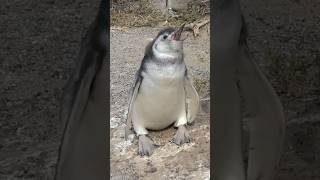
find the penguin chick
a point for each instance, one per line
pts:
(162, 93)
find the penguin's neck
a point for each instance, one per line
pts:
(162, 71)
(170, 56)
(167, 57)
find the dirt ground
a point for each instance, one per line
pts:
(40, 39)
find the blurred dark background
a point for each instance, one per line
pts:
(39, 42)
(284, 40)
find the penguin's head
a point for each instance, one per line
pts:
(168, 43)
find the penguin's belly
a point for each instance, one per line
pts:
(159, 105)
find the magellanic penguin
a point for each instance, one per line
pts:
(162, 93)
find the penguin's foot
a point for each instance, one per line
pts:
(182, 136)
(146, 146)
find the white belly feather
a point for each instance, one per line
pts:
(161, 98)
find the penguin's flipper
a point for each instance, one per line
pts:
(133, 95)
(192, 100)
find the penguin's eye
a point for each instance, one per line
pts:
(164, 37)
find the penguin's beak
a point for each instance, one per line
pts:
(177, 34)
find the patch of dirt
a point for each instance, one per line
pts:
(169, 161)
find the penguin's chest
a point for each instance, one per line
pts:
(161, 99)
